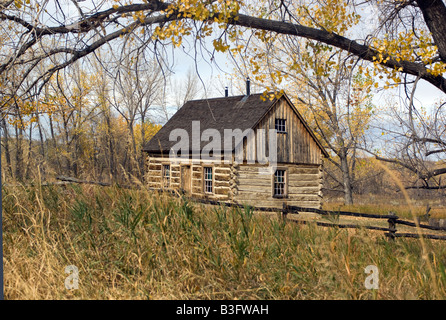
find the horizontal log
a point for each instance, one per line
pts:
(293, 170)
(267, 185)
(222, 177)
(154, 173)
(424, 226)
(221, 190)
(304, 177)
(244, 195)
(219, 197)
(218, 183)
(255, 189)
(275, 203)
(291, 177)
(304, 190)
(153, 178)
(196, 184)
(222, 170)
(209, 197)
(258, 181)
(342, 213)
(293, 183)
(154, 185)
(415, 235)
(197, 175)
(339, 225)
(255, 167)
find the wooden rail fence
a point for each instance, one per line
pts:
(390, 231)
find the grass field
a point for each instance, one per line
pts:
(132, 244)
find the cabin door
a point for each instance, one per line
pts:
(186, 178)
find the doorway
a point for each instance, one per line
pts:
(186, 178)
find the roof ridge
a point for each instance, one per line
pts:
(217, 98)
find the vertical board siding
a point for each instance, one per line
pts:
(295, 146)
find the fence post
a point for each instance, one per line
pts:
(392, 225)
(284, 211)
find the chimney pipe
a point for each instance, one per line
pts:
(226, 92)
(248, 86)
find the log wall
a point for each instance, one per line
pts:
(245, 183)
(304, 183)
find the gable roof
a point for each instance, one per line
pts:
(236, 112)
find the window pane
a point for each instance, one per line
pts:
(208, 179)
(280, 125)
(279, 183)
(166, 175)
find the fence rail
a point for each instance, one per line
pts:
(390, 232)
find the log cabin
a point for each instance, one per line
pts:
(246, 149)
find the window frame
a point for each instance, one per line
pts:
(205, 180)
(285, 183)
(166, 178)
(276, 125)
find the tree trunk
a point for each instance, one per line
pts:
(143, 141)
(6, 147)
(19, 153)
(43, 163)
(360, 50)
(67, 145)
(53, 137)
(30, 146)
(434, 13)
(111, 149)
(348, 196)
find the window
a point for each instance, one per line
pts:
(166, 175)
(280, 125)
(279, 183)
(208, 179)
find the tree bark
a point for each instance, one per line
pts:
(6, 148)
(362, 51)
(434, 13)
(348, 196)
(19, 153)
(53, 138)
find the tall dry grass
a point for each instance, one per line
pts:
(130, 244)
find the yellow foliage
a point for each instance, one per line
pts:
(150, 129)
(407, 46)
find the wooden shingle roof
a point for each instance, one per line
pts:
(235, 112)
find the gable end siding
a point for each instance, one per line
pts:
(296, 145)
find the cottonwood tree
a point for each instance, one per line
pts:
(415, 141)
(422, 54)
(185, 89)
(138, 84)
(327, 85)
